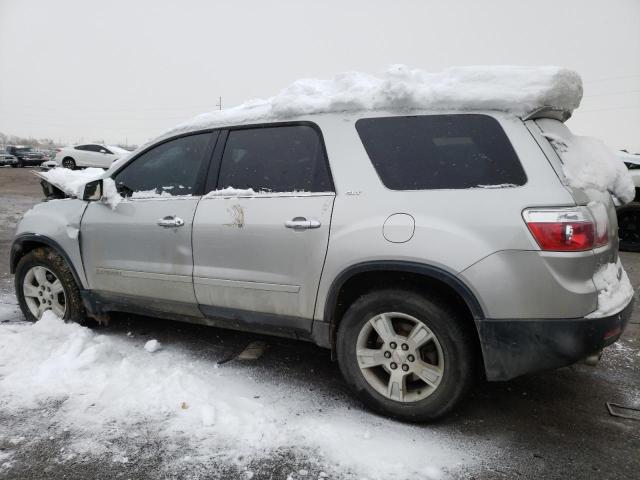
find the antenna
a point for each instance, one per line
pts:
(219, 104)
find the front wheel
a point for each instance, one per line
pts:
(44, 282)
(406, 355)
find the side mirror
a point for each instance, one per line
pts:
(92, 191)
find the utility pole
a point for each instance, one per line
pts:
(219, 104)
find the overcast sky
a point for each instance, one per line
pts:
(124, 69)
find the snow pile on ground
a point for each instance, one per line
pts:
(152, 346)
(101, 382)
(589, 163)
(614, 289)
(514, 89)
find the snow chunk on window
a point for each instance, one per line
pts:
(614, 290)
(589, 163)
(514, 89)
(231, 192)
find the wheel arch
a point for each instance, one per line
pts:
(362, 277)
(25, 243)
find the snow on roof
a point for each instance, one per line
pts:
(519, 90)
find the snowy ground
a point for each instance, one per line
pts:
(79, 403)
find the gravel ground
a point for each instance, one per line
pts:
(549, 425)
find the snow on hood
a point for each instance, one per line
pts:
(72, 183)
(514, 89)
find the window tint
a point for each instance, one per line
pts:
(174, 167)
(81, 147)
(440, 151)
(278, 159)
(95, 148)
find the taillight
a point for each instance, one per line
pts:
(562, 229)
(58, 150)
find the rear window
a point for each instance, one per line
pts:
(440, 151)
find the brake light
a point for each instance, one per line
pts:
(58, 150)
(562, 229)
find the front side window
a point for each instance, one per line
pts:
(440, 152)
(172, 168)
(283, 158)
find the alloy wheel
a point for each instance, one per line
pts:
(43, 291)
(400, 357)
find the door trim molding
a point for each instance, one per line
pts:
(271, 287)
(145, 275)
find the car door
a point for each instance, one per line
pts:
(93, 155)
(104, 157)
(81, 155)
(140, 251)
(258, 254)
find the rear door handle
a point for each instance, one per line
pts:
(301, 223)
(170, 222)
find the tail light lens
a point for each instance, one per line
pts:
(562, 229)
(58, 150)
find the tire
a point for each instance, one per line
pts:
(69, 163)
(629, 227)
(449, 355)
(20, 164)
(47, 262)
(14, 165)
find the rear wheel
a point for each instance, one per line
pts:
(405, 354)
(44, 282)
(629, 227)
(69, 163)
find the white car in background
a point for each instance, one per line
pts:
(88, 155)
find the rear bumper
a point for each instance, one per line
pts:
(514, 347)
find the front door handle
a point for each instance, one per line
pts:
(171, 222)
(301, 223)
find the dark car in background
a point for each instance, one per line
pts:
(25, 156)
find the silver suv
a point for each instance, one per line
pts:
(423, 250)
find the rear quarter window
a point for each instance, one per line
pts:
(440, 152)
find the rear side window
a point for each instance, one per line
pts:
(283, 158)
(440, 151)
